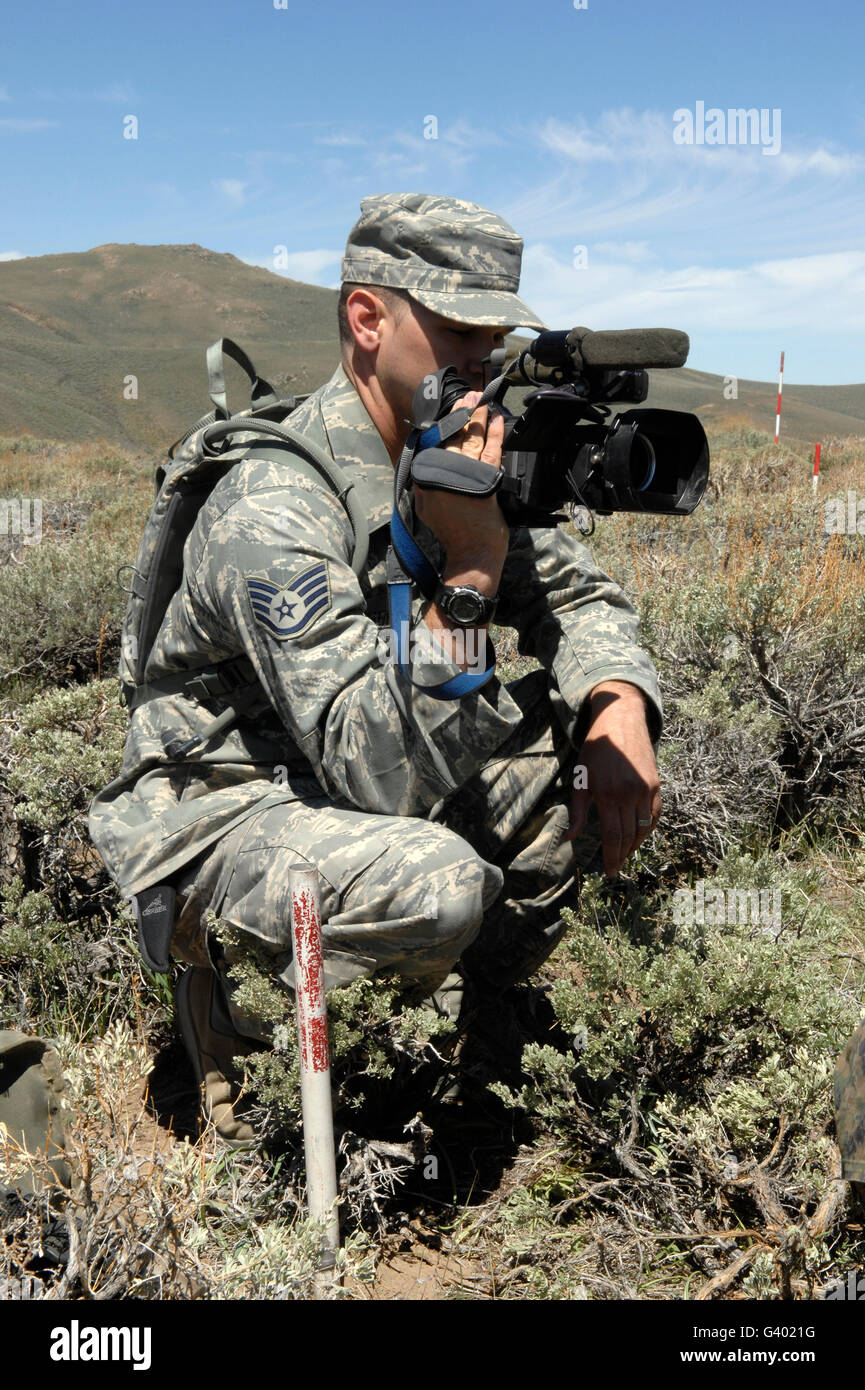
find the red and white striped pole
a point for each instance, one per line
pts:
(315, 1092)
(816, 477)
(780, 389)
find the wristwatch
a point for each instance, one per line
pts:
(465, 605)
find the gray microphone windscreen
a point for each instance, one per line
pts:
(635, 347)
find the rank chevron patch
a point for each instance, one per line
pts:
(286, 611)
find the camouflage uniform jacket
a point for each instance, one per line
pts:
(267, 575)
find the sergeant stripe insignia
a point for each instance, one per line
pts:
(286, 611)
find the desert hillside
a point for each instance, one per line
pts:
(74, 328)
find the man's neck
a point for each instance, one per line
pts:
(393, 431)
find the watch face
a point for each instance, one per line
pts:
(464, 606)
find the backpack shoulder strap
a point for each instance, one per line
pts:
(324, 465)
(262, 393)
(196, 463)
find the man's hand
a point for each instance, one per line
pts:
(472, 530)
(622, 774)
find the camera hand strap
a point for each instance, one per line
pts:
(444, 470)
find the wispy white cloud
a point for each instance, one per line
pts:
(341, 138)
(398, 163)
(362, 156)
(164, 189)
(434, 145)
(232, 189)
(821, 162)
(579, 145)
(11, 256)
(623, 250)
(617, 134)
(624, 178)
(466, 135)
(799, 292)
(113, 92)
(621, 136)
(335, 169)
(299, 265)
(25, 127)
(4, 92)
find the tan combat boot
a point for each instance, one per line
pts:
(212, 1050)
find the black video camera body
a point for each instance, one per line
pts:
(564, 447)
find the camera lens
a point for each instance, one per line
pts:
(642, 463)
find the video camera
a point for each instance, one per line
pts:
(564, 447)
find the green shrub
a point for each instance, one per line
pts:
(67, 953)
(62, 613)
(66, 745)
(710, 1033)
(376, 1030)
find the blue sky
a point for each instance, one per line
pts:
(261, 127)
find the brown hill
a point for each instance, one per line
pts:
(75, 327)
(808, 412)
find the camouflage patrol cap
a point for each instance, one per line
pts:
(453, 257)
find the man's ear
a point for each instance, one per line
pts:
(364, 311)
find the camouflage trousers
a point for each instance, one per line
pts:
(481, 879)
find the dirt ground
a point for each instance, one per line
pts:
(415, 1262)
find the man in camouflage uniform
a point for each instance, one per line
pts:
(443, 830)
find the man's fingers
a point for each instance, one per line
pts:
(632, 832)
(475, 432)
(611, 836)
(469, 401)
(648, 815)
(580, 800)
(623, 827)
(642, 827)
(492, 450)
(473, 435)
(481, 437)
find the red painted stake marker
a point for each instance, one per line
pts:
(315, 1089)
(780, 389)
(816, 477)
